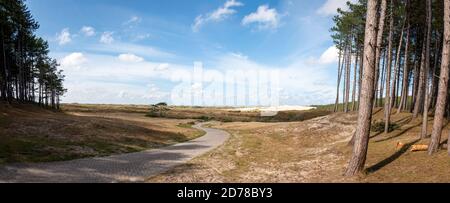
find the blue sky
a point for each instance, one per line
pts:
(115, 51)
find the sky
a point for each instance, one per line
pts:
(135, 52)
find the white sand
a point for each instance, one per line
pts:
(275, 108)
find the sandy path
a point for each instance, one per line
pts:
(134, 167)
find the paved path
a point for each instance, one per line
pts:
(134, 167)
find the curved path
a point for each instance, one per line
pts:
(134, 167)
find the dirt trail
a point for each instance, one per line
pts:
(134, 167)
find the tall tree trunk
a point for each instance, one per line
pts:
(435, 76)
(423, 134)
(405, 83)
(383, 78)
(361, 61)
(355, 68)
(340, 67)
(380, 33)
(387, 102)
(360, 146)
(443, 85)
(415, 84)
(347, 79)
(397, 68)
(5, 70)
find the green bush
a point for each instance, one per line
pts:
(227, 120)
(378, 126)
(162, 104)
(205, 118)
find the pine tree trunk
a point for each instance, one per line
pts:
(397, 69)
(422, 80)
(361, 61)
(383, 78)
(415, 85)
(435, 76)
(405, 83)
(387, 102)
(423, 134)
(360, 147)
(443, 85)
(340, 68)
(355, 68)
(347, 80)
(380, 33)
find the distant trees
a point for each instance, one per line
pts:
(409, 59)
(27, 73)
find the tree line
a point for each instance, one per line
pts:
(27, 73)
(398, 54)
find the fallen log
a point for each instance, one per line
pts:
(419, 148)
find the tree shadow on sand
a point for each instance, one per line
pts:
(391, 158)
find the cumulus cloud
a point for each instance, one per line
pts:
(330, 7)
(216, 16)
(73, 60)
(107, 38)
(64, 37)
(264, 17)
(131, 58)
(110, 80)
(331, 55)
(88, 31)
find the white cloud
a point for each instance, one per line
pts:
(217, 15)
(64, 37)
(331, 55)
(162, 67)
(131, 58)
(239, 55)
(110, 80)
(73, 60)
(133, 20)
(141, 50)
(88, 31)
(265, 17)
(107, 38)
(330, 7)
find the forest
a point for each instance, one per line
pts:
(393, 54)
(27, 73)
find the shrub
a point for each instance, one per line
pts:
(158, 111)
(378, 126)
(227, 120)
(204, 118)
(162, 104)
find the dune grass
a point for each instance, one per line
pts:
(31, 134)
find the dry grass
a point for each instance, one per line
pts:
(227, 115)
(32, 134)
(314, 151)
(310, 151)
(386, 163)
